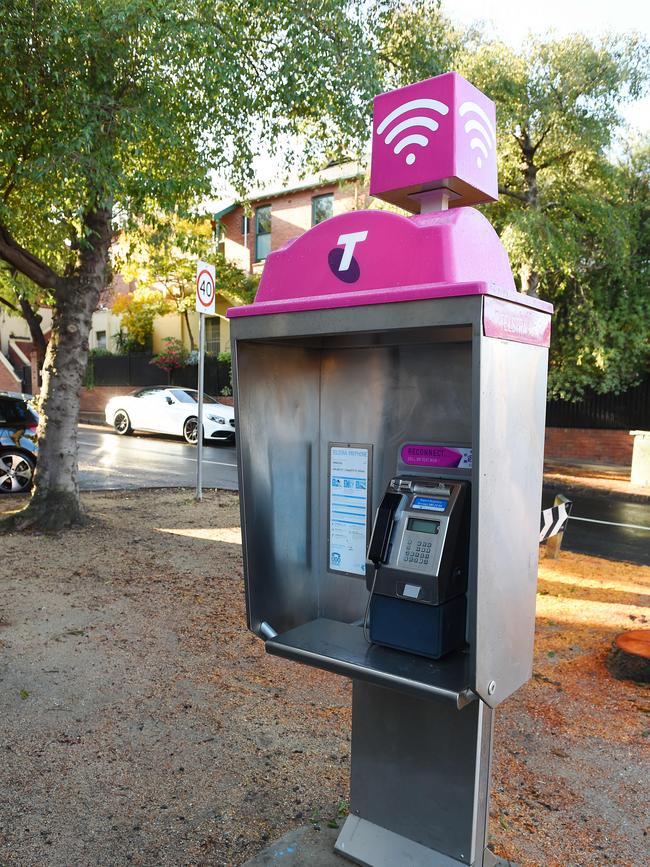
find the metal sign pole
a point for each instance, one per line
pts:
(199, 431)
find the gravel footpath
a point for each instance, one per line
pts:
(142, 724)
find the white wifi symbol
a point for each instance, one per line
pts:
(420, 120)
(489, 139)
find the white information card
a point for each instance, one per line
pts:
(349, 467)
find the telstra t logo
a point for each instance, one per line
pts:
(341, 261)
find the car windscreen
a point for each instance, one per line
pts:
(183, 395)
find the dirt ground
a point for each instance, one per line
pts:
(605, 481)
(142, 724)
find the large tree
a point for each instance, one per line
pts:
(122, 108)
(570, 215)
(602, 324)
(565, 215)
(418, 41)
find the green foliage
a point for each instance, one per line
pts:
(558, 106)
(173, 356)
(14, 286)
(137, 101)
(89, 375)
(226, 358)
(137, 311)
(574, 222)
(163, 252)
(140, 103)
(417, 41)
(565, 215)
(603, 310)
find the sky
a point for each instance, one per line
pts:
(512, 21)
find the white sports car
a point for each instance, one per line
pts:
(170, 411)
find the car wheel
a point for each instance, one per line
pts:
(16, 472)
(122, 423)
(190, 430)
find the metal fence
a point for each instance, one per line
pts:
(137, 370)
(627, 411)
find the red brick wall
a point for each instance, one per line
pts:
(589, 445)
(7, 381)
(95, 399)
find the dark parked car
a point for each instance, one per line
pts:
(18, 446)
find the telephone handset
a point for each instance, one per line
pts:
(382, 529)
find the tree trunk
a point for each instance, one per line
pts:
(530, 280)
(55, 502)
(35, 330)
(189, 331)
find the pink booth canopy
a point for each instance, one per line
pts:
(378, 257)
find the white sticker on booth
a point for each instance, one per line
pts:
(348, 495)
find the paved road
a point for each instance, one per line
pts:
(109, 462)
(606, 527)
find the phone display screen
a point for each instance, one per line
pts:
(421, 525)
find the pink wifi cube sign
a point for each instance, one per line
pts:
(438, 133)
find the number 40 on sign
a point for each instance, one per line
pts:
(205, 288)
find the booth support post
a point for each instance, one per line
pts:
(419, 780)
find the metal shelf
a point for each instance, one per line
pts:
(342, 649)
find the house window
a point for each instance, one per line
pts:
(219, 236)
(212, 335)
(321, 208)
(262, 232)
(100, 339)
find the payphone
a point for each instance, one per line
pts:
(390, 396)
(419, 553)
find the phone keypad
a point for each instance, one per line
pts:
(419, 553)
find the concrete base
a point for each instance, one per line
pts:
(302, 847)
(305, 847)
(372, 846)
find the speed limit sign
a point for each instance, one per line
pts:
(205, 291)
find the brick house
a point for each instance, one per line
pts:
(281, 214)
